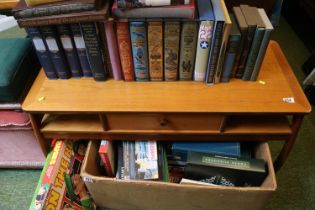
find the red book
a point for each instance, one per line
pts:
(124, 48)
(106, 152)
(112, 49)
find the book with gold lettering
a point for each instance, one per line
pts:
(171, 50)
(187, 49)
(155, 49)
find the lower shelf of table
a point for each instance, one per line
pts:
(236, 127)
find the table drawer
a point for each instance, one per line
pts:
(163, 122)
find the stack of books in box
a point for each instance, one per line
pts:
(157, 40)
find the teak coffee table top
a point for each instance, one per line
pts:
(276, 85)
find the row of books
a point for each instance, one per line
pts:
(66, 51)
(214, 163)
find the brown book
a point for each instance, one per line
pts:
(124, 48)
(87, 16)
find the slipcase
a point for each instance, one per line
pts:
(144, 195)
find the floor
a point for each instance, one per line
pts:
(296, 185)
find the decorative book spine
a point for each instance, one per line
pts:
(138, 36)
(232, 49)
(124, 47)
(171, 48)
(112, 49)
(253, 53)
(55, 51)
(148, 3)
(247, 44)
(155, 48)
(53, 10)
(215, 51)
(203, 49)
(42, 52)
(69, 49)
(81, 49)
(187, 50)
(93, 48)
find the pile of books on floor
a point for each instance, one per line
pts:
(203, 163)
(149, 40)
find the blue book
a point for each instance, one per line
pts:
(42, 52)
(138, 37)
(55, 51)
(70, 51)
(231, 52)
(229, 149)
(216, 41)
(264, 44)
(81, 49)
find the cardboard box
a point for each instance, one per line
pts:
(144, 195)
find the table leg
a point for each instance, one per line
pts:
(36, 122)
(284, 153)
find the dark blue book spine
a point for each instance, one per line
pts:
(69, 49)
(215, 51)
(81, 49)
(42, 52)
(232, 49)
(138, 37)
(55, 51)
(94, 50)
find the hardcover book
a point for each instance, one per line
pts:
(138, 37)
(216, 43)
(178, 11)
(243, 27)
(225, 171)
(55, 51)
(124, 47)
(42, 52)
(225, 38)
(107, 154)
(148, 3)
(264, 44)
(171, 50)
(251, 23)
(113, 49)
(253, 13)
(76, 17)
(188, 49)
(206, 17)
(231, 51)
(94, 51)
(155, 48)
(23, 11)
(69, 49)
(81, 49)
(180, 150)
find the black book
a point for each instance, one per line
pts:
(225, 171)
(94, 50)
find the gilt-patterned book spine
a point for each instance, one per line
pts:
(187, 50)
(42, 52)
(124, 48)
(69, 49)
(138, 35)
(148, 3)
(55, 51)
(171, 48)
(203, 50)
(155, 48)
(81, 49)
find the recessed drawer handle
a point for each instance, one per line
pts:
(163, 122)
